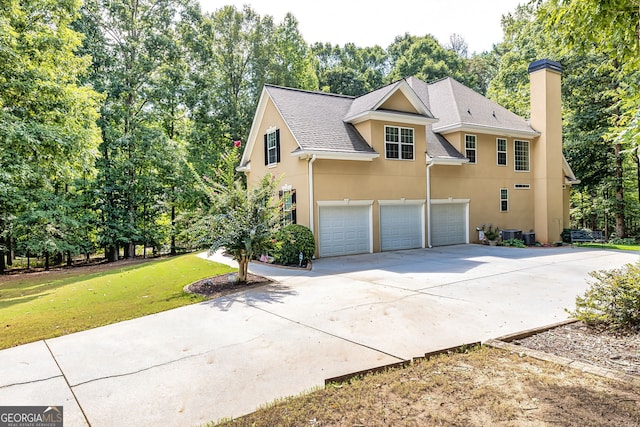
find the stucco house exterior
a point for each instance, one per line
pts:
(413, 164)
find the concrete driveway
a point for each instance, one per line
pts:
(228, 356)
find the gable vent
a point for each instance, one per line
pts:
(522, 186)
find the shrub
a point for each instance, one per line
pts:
(292, 240)
(622, 241)
(612, 300)
(516, 243)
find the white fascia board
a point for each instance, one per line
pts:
(397, 202)
(345, 202)
(335, 155)
(257, 121)
(446, 161)
(411, 96)
(390, 116)
(490, 130)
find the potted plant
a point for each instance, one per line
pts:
(492, 235)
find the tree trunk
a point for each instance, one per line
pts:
(2, 258)
(46, 260)
(620, 224)
(243, 266)
(9, 250)
(69, 259)
(173, 230)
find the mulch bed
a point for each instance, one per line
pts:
(217, 286)
(579, 342)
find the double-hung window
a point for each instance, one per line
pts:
(398, 143)
(272, 147)
(470, 148)
(501, 151)
(521, 155)
(504, 200)
(288, 203)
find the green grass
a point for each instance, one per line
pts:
(40, 306)
(610, 246)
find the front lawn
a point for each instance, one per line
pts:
(610, 246)
(46, 305)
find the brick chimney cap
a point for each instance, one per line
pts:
(542, 64)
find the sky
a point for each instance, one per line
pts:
(368, 23)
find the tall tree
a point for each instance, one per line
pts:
(135, 40)
(48, 127)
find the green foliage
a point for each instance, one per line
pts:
(627, 241)
(514, 243)
(292, 240)
(242, 221)
(492, 233)
(612, 300)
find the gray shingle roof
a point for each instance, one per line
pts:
(453, 103)
(315, 119)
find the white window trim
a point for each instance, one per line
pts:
(506, 151)
(274, 148)
(515, 163)
(400, 143)
(475, 150)
(501, 200)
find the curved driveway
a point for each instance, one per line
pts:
(226, 357)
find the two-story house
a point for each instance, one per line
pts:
(413, 164)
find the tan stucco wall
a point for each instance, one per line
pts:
(398, 102)
(481, 183)
(290, 171)
(379, 179)
(546, 118)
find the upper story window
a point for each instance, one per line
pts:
(398, 143)
(521, 155)
(272, 147)
(501, 151)
(470, 148)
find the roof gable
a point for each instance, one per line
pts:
(397, 97)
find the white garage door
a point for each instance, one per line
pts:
(344, 230)
(400, 227)
(448, 224)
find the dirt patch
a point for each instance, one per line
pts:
(484, 386)
(579, 342)
(217, 286)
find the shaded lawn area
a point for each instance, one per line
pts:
(47, 305)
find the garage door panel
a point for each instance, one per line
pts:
(344, 230)
(401, 227)
(448, 224)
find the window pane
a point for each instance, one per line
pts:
(470, 147)
(391, 134)
(521, 155)
(392, 151)
(504, 205)
(502, 159)
(471, 155)
(407, 152)
(502, 145)
(407, 135)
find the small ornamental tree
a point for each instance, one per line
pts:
(241, 220)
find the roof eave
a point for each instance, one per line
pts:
(335, 155)
(390, 116)
(448, 161)
(492, 130)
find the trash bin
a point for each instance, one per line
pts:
(529, 238)
(511, 234)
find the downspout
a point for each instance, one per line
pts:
(311, 206)
(429, 164)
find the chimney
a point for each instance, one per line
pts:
(546, 150)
